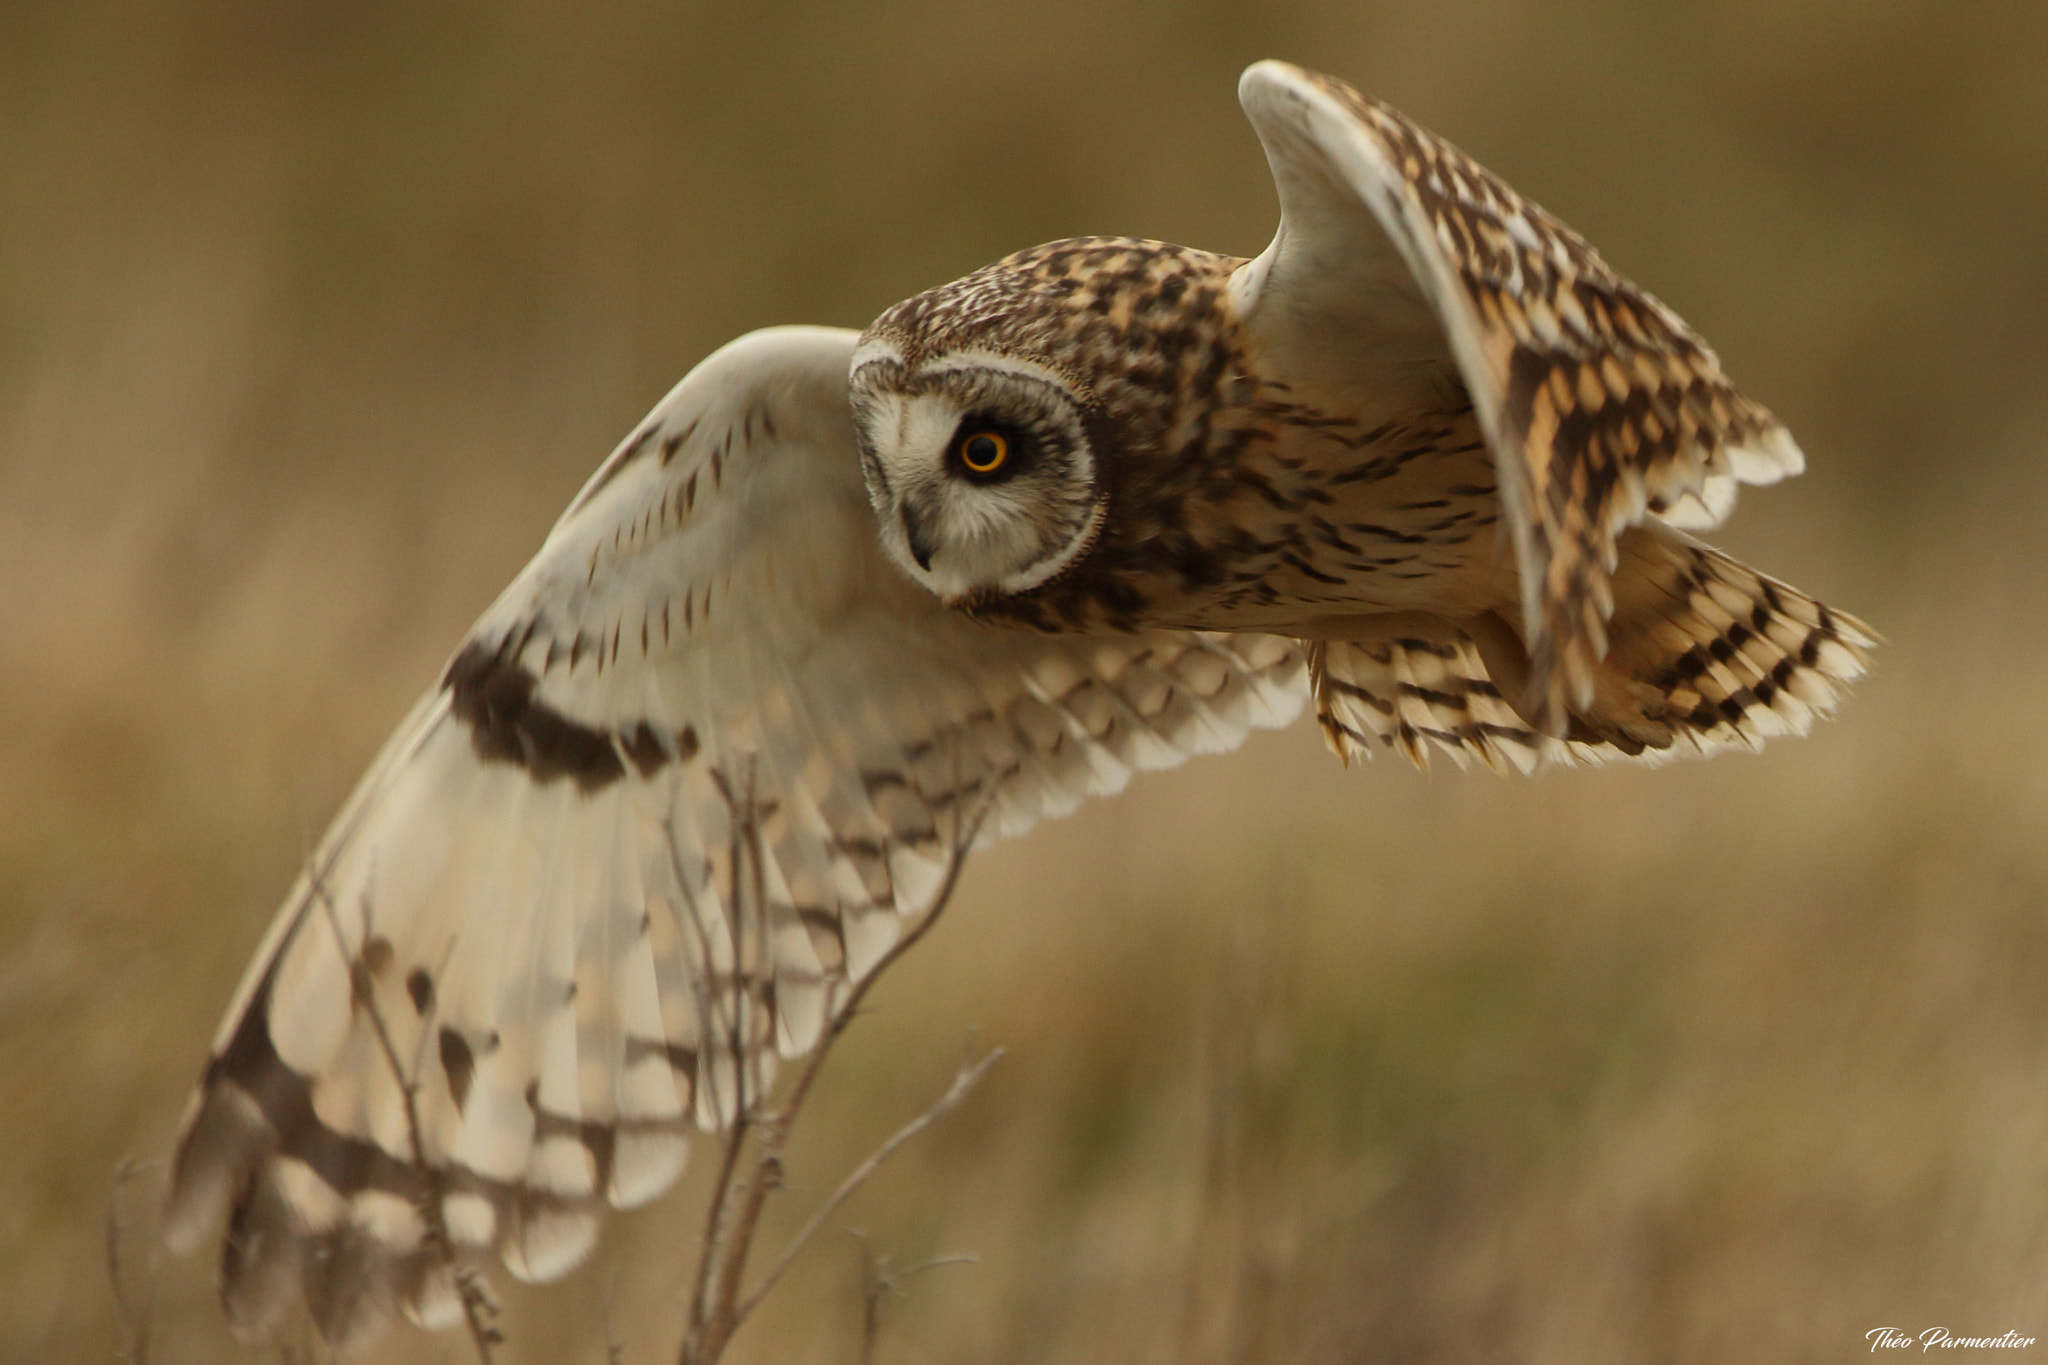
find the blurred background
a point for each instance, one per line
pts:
(313, 316)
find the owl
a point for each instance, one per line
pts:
(845, 603)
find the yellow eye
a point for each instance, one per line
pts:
(985, 452)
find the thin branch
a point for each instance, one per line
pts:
(710, 1261)
(477, 1308)
(736, 1132)
(717, 1310)
(879, 1281)
(848, 1008)
(775, 1129)
(614, 1349)
(964, 1081)
(133, 1320)
(743, 847)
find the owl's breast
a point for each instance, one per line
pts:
(1291, 515)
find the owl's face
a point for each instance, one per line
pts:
(1002, 414)
(978, 464)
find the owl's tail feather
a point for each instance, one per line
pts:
(1705, 653)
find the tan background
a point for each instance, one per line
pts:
(312, 316)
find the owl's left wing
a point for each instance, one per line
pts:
(679, 787)
(1397, 254)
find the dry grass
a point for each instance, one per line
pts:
(311, 317)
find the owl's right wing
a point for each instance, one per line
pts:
(677, 790)
(1399, 257)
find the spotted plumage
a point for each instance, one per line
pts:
(843, 602)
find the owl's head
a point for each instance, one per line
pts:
(978, 463)
(1000, 414)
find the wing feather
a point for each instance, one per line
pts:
(1600, 405)
(537, 948)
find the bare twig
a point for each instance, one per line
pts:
(477, 1308)
(614, 1348)
(133, 1319)
(736, 1132)
(712, 1256)
(964, 1080)
(717, 1308)
(879, 1280)
(743, 846)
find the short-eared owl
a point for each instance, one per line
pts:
(1427, 461)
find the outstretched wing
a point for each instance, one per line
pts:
(706, 752)
(1397, 254)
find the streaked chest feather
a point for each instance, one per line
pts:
(1279, 514)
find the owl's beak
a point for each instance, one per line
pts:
(918, 536)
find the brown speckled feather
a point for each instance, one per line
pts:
(1339, 429)
(1601, 405)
